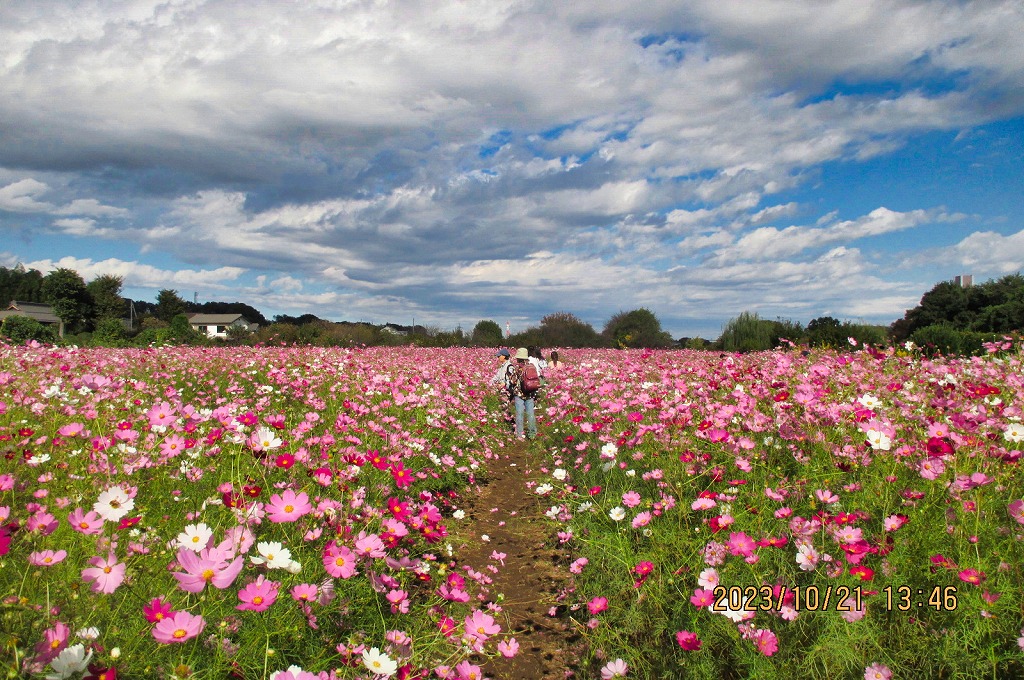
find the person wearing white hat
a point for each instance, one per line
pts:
(524, 397)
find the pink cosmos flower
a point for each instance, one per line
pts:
(369, 545)
(46, 558)
(258, 595)
(304, 592)
(106, 574)
(288, 506)
(1016, 510)
(54, 641)
(157, 610)
(877, 671)
(631, 499)
(597, 605)
(766, 642)
(509, 648)
(614, 669)
(641, 520)
(971, 576)
(468, 671)
(339, 561)
(85, 522)
(688, 641)
(740, 544)
(702, 597)
(209, 566)
(178, 628)
(481, 626)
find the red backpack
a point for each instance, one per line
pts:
(529, 378)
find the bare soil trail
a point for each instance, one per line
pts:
(511, 517)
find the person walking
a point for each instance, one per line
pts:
(525, 393)
(504, 378)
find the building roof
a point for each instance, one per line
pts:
(215, 319)
(34, 310)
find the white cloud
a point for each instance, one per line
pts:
(138, 275)
(22, 196)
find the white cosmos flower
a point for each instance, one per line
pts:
(379, 663)
(1014, 432)
(609, 450)
(879, 440)
(544, 489)
(869, 401)
(559, 474)
(265, 439)
(71, 661)
(272, 554)
(195, 537)
(617, 513)
(113, 504)
(459, 514)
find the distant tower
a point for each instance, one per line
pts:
(508, 330)
(195, 297)
(964, 281)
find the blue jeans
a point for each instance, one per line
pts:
(525, 404)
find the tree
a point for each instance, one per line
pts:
(486, 333)
(65, 291)
(110, 332)
(107, 302)
(825, 331)
(638, 328)
(748, 332)
(169, 305)
(562, 329)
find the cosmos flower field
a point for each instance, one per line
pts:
(292, 513)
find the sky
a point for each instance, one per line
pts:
(443, 162)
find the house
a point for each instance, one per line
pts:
(217, 325)
(42, 313)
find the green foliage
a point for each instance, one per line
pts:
(105, 291)
(180, 332)
(20, 284)
(944, 339)
(65, 291)
(110, 332)
(486, 333)
(748, 332)
(562, 329)
(169, 304)
(19, 329)
(639, 328)
(990, 307)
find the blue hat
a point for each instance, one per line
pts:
(503, 353)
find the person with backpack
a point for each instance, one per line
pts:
(525, 382)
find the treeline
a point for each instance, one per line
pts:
(950, 318)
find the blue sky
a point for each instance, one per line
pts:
(455, 161)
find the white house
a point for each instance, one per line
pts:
(217, 325)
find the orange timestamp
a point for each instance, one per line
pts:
(907, 598)
(800, 598)
(815, 598)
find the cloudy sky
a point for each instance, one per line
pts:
(451, 161)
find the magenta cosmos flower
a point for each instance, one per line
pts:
(258, 595)
(288, 506)
(688, 641)
(106, 574)
(178, 628)
(339, 561)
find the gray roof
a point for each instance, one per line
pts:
(215, 319)
(33, 310)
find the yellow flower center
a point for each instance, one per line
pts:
(289, 508)
(180, 633)
(207, 574)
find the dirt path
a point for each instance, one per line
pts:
(512, 517)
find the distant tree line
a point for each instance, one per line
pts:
(950, 318)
